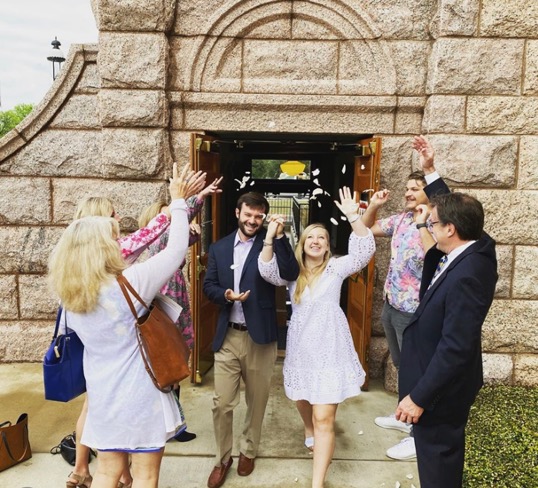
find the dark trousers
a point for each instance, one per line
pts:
(440, 454)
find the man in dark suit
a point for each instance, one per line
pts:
(441, 362)
(245, 341)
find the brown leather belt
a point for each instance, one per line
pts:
(241, 327)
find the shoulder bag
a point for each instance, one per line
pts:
(63, 373)
(14, 443)
(162, 346)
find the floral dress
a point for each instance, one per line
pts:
(176, 288)
(321, 364)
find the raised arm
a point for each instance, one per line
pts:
(268, 267)
(148, 277)
(368, 218)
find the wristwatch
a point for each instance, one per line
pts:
(421, 225)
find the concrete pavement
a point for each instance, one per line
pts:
(283, 461)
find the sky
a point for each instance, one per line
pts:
(27, 28)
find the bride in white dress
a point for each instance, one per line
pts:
(321, 368)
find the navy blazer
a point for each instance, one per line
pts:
(441, 359)
(260, 307)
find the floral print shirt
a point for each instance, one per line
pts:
(406, 262)
(176, 288)
(134, 244)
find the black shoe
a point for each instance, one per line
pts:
(185, 436)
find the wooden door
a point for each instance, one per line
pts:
(204, 312)
(361, 285)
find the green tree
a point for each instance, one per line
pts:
(11, 118)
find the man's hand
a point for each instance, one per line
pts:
(408, 411)
(275, 227)
(232, 296)
(426, 153)
(422, 214)
(379, 198)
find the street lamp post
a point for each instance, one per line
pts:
(56, 57)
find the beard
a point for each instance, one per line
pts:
(248, 231)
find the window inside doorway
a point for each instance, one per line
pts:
(281, 169)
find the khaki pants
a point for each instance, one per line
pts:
(240, 357)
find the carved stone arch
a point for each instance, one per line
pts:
(364, 62)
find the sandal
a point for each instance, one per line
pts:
(309, 443)
(82, 481)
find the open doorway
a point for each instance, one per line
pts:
(300, 175)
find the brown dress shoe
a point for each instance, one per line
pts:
(218, 475)
(245, 466)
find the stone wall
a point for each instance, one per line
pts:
(465, 72)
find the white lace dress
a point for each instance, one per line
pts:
(321, 364)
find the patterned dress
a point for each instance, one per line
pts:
(176, 288)
(321, 364)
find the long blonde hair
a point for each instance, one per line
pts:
(86, 257)
(100, 206)
(315, 273)
(150, 212)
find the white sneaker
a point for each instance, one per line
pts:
(390, 422)
(403, 451)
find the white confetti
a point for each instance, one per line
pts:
(264, 216)
(397, 485)
(315, 172)
(271, 124)
(252, 182)
(409, 476)
(319, 204)
(247, 172)
(344, 169)
(316, 182)
(296, 480)
(327, 193)
(361, 432)
(343, 217)
(334, 221)
(413, 486)
(233, 266)
(317, 191)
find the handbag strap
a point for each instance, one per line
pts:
(27, 442)
(122, 281)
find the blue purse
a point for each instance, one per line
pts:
(63, 373)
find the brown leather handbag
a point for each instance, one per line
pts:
(162, 346)
(14, 443)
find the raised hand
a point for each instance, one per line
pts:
(379, 198)
(275, 227)
(211, 188)
(348, 203)
(426, 153)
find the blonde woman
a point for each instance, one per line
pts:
(131, 246)
(321, 368)
(126, 413)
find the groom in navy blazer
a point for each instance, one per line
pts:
(441, 363)
(245, 340)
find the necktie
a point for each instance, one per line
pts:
(440, 266)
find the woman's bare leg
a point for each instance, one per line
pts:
(305, 410)
(145, 469)
(323, 417)
(82, 467)
(110, 465)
